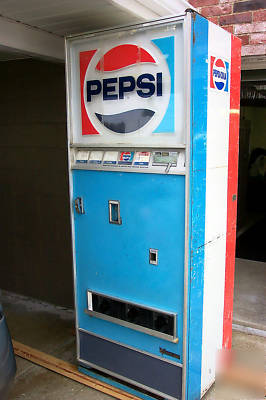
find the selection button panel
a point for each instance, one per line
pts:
(156, 161)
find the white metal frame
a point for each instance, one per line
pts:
(187, 97)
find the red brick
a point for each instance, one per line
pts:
(244, 39)
(236, 18)
(203, 3)
(250, 28)
(259, 15)
(258, 38)
(229, 28)
(216, 10)
(215, 20)
(249, 5)
(253, 50)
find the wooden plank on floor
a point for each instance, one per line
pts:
(68, 370)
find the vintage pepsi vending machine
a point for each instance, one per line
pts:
(153, 114)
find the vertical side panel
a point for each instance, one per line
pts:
(199, 94)
(216, 201)
(232, 190)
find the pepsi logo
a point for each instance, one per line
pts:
(219, 74)
(125, 89)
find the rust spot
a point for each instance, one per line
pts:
(169, 353)
(194, 37)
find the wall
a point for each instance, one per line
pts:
(35, 230)
(246, 19)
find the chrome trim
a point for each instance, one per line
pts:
(187, 95)
(142, 170)
(124, 28)
(70, 184)
(133, 348)
(123, 378)
(131, 325)
(126, 146)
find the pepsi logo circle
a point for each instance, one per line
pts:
(126, 88)
(219, 74)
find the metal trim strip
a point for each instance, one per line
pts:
(159, 21)
(130, 325)
(141, 170)
(197, 198)
(187, 96)
(70, 183)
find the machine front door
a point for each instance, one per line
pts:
(129, 250)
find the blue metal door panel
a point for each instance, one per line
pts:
(114, 259)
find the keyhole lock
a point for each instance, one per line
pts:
(114, 212)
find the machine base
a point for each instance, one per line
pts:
(162, 378)
(118, 384)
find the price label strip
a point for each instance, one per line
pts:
(142, 158)
(95, 157)
(110, 158)
(82, 157)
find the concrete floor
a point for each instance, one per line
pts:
(249, 294)
(51, 329)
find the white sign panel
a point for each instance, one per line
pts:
(126, 88)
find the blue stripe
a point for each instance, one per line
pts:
(198, 143)
(167, 47)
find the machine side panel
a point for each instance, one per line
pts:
(198, 129)
(232, 190)
(219, 60)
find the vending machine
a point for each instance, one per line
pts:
(153, 115)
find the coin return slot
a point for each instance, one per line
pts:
(114, 212)
(134, 316)
(153, 256)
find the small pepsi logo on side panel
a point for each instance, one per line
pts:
(219, 74)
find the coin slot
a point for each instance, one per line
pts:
(114, 212)
(153, 256)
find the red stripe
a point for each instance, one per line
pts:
(123, 56)
(211, 72)
(232, 190)
(84, 60)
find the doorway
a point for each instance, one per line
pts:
(250, 275)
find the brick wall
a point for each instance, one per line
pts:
(245, 19)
